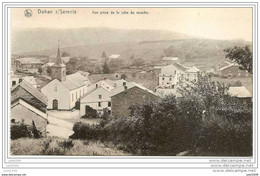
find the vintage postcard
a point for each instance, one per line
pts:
(163, 82)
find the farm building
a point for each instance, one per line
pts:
(232, 70)
(241, 94)
(28, 63)
(125, 96)
(28, 106)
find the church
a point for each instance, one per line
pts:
(64, 90)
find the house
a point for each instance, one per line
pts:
(125, 96)
(114, 56)
(31, 80)
(172, 75)
(28, 63)
(46, 68)
(241, 94)
(169, 60)
(98, 99)
(28, 105)
(232, 70)
(64, 90)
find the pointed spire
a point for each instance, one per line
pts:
(58, 59)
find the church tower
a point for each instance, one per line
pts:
(58, 70)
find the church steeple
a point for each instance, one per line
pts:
(59, 69)
(58, 59)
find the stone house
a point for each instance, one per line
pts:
(125, 96)
(28, 106)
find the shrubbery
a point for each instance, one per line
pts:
(206, 117)
(90, 112)
(19, 130)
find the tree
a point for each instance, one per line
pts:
(90, 112)
(106, 69)
(241, 55)
(64, 54)
(104, 55)
(49, 70)
(39, 69)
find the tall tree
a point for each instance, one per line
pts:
(241, 55)
(106, 69)
(104, 55)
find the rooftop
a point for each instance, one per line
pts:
(129, 86)
(33, 91)
(170, 58)
(240, 92)
(114, 56)
(29, 60)
(74, 81)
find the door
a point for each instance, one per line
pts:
(55, 104)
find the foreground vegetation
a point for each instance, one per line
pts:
(205, 121)
(57, 146)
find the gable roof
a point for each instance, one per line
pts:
(74, 81)
(114, 56)
(170, 58)
(85, 95)
(30, 79)
(228, 66)
(118, 82)
(29, 60)
(240, 92)
(129, 86)
(192, 69)
(33, 91)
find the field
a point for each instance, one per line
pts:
(57, 146)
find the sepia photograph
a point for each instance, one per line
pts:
(131, 81)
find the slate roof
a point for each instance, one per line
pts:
(240, 92)
(228, 66)
(30, 79)
(33, 91)
(74, 81)
(192, 69)
(129, 86)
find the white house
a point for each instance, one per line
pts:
(98, 99)
(98, 95)
(64, 90)
(172, 75)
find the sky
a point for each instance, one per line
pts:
(213, 23)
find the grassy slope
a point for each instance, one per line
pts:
(26, 146)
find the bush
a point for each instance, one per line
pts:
(84, 131)
(90, 112)
(19, 130)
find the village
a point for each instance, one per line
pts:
(43, 93)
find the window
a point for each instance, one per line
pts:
(170, 79)
(99, 104)
(172, 86)
(114, 84)
(162, 78)
(20, 80)
(175, 72)
(188, 75)
(13, 83)
(72, 97)
(96, 85)
(109, 104)
(124, 83)
(99, 96)
(195, 80)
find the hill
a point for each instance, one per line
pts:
(25, 40)
(203, 53)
